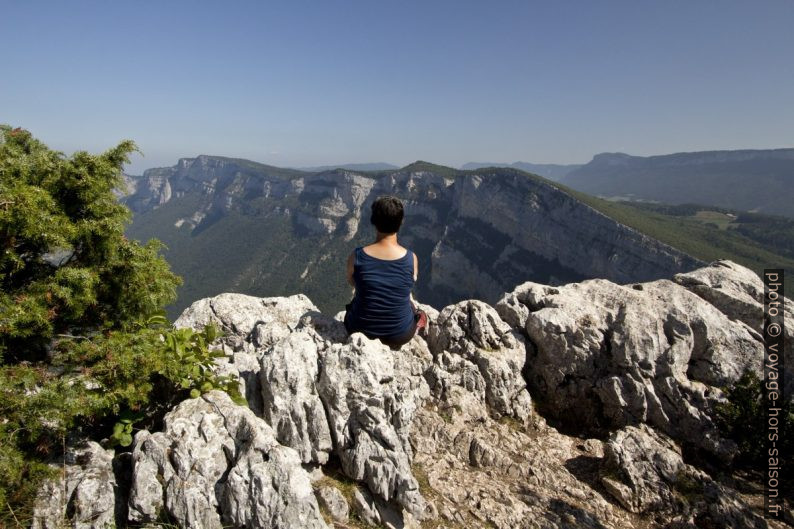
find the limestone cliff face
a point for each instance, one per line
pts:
(521, 215)
(446, 432)
(476, 233)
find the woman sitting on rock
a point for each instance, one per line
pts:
(383, 275)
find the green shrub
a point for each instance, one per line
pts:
(84, 348)
(743, 419)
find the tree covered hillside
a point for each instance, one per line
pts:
(748, 180)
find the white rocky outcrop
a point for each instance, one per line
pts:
(291, 402)
(369, 405)
(738, 293)
(315, 389)
(608, 355)
(443, 432)
(86, 494)
(471, 333)
(214, 464)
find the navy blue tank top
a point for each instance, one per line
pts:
(381, 306)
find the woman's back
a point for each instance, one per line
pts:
(382, 303)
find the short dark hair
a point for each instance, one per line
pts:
(387, 214)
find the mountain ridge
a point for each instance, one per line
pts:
(477, 233)
(547, 170)
(369, 166)
(760, 180)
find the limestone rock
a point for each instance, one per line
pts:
(738, 293)
(292, 406)
(334, 502)
(442, 429)
(607, 355)
(369, 417)
(304, 389)
(457, 384)
(649, 463)
(87, 498)
(216, 464)
(364, 507)
(260, 321)
(474, 332)
(644, 471)
(251, 325)
(375, 512)
(480, 472)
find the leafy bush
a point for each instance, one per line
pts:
(85, 350)
(743, 419)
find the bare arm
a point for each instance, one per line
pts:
(350, 271)
(416, 267)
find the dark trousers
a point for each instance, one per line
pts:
(398, 341)
(395, 342)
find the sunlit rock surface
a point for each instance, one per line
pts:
(454, 429)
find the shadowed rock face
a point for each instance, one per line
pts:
(477, 233)
(644, 471)
(443, 432)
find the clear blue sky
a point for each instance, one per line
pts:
(302, 83)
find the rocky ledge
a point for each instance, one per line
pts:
(455, 428)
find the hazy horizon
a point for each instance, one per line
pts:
(360, 82)
(455, 166)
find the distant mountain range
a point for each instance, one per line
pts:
(375, 166)
(547, 170)
(233, 225)
(750, 180)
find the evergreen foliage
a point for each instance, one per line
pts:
(85, 350)
(743, 418)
